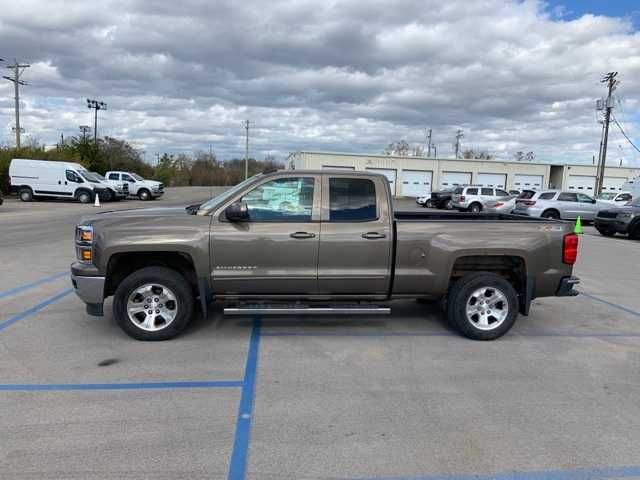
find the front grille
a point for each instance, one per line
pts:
(607, 214)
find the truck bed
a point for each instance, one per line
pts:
(458, 216)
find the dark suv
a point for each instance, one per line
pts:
(625, 220)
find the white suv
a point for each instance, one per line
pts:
(138, 186)
(473, 198)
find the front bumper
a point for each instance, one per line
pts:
(565, 289)
(611, 223)
(157, 193)
(90, 289)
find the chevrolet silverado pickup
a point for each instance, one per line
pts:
(316, 242)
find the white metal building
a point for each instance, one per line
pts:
(414, 176)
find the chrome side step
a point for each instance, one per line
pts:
(306, 310)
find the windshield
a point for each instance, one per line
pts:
(218, 199)
(606, 196)
(96, 174)
(88, 176)
(136, 176)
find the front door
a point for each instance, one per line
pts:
(355, 237)
(274, 252)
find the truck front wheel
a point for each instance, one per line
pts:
(154, 303)
(482, 306)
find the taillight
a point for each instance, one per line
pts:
(498, 204)
(462, 198)
(570, 248)
(528, 203)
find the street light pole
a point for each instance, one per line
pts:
(96, 105)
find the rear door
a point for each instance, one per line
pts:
(356, 236)
(274, 252)
(568, 205)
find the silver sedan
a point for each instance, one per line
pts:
(501, 205)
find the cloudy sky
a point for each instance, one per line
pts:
(327, 75)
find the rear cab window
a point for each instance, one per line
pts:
(472, 191)
(114, 176)
(352, 200)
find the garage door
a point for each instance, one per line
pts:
(455, 179)
(495, 180)
(582, 183)
(390, 174)
(335, 167)
(528, 182)
(613, 184)
(416, 183)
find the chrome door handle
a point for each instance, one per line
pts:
(373, 235)
(302, 235)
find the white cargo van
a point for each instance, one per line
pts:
(44, 178)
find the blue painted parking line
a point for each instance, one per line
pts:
(57, 387)
(577, 474)
(22, 288)
(240, 453)
(448, 334)
(611, 304)
(36, 308)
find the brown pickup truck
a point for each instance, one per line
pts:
(317, 242)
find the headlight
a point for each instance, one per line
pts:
(84, 234)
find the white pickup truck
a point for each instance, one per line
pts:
(138, 186)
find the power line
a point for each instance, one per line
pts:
(615, 120)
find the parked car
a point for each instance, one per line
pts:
(46, 178)
(278, 238)
(114, 190)
(138, 186)
(624, 219)
(556, 204)
(501, 205)
(615, 198)
(473, 198)
(514, 192)
(442, 199)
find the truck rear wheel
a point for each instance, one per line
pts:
(482, 306)
(154, 303)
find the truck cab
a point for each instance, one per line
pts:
(137, 186)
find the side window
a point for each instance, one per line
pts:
(487, 191)
(502, 193)
(282, 200)
(72, 176)
(582, 198)
(624, 197)
(567, 197)
(127, 178)
(352, 200)
(547, 196)
(472, 191)
(114, 176)
(458, 191)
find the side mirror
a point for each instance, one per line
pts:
(237, 212)
(593, 200)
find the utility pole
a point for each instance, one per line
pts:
(18, 70)
(429, 144)
(459, 135)
(246, 150)
(610, 80)
(96, 105)
(84, 129)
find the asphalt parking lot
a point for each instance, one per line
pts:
(396, 397)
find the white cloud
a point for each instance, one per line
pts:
(341, 75)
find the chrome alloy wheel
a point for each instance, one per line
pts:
(487, 308)
(152, 307)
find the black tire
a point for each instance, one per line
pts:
(144, 194)
(108, 195)
(428, 204)
(551, 214)
(606, 232)
(461, 293)
(448, 205)
(26, 194)
(634, 231)
(84, 196)
(475, 207)
(166, 277)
